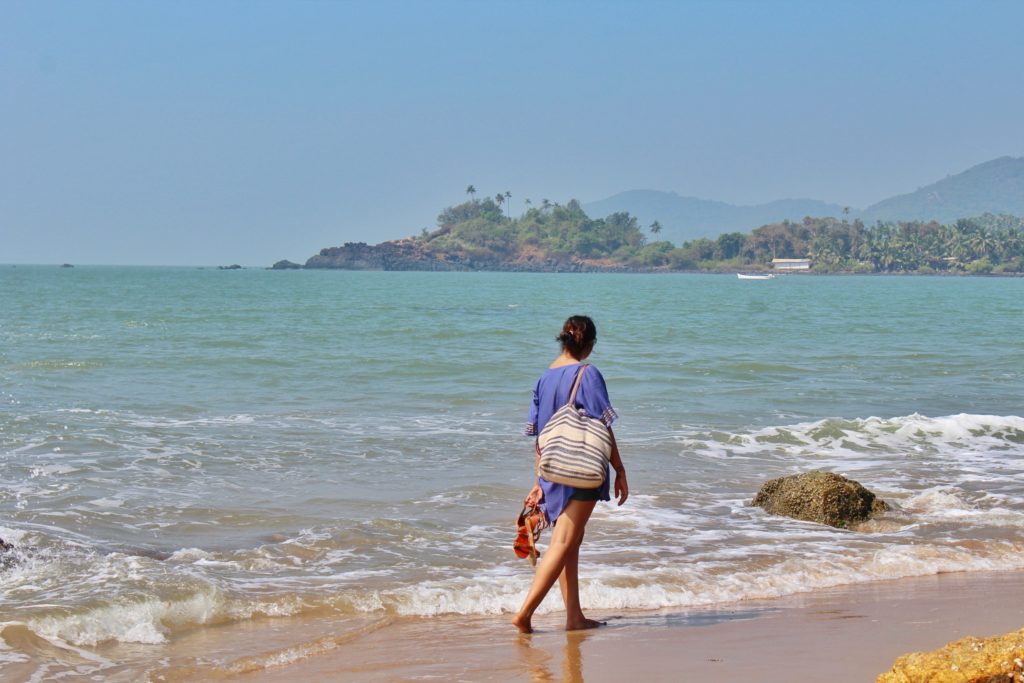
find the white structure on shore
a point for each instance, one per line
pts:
(791, 263)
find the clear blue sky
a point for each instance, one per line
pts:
(246, 132)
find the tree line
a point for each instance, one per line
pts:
(483, 229)
(984, 244)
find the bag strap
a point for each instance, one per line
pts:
(576, 385)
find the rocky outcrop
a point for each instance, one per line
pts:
(969, 660)
(397, 255)
(822, 497)
(286, 265)
(411, 254)
(233, 266)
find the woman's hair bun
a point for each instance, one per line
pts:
(577, 334)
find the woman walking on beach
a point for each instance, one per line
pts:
(566, 507)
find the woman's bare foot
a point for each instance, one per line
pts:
(581, 624)
(522, 623)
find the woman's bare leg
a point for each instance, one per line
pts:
(565, 539)
(569, 582)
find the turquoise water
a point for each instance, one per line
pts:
(184, 341)
(182, 448)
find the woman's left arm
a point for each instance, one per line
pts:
(536, 494)
(621, 485)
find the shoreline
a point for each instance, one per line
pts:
(585, 268)
(590, 270)
(847, 634)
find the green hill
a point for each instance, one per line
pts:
(555, 232)
(995, 187)
(477, 235)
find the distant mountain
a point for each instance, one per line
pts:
(995, 186)
(687, 218)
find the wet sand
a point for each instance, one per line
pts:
(844, 634)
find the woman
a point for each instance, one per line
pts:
(565, 507)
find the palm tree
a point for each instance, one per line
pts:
(655, 228)
(888, 256)
(958, 249)
(1010, 242)
(931, 251)
(508, 204)
(499, 199)
(827, 256)
(470, 190)
(982, 243)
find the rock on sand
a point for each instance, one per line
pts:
(969, 660)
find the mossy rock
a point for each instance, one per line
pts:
(823, 497)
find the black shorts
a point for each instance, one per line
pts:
(586, 494)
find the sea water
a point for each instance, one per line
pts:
(186, 449)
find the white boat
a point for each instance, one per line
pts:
(769, 276)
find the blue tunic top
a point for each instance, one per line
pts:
(551, 393)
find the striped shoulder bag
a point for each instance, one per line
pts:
(574, 448)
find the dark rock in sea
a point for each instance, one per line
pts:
(286, 265)
(398, 255)
(412, 254)
(822, 497)
(66, 265)
(7, 557)
(233, 266)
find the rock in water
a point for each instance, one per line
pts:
(969, 660)
(822, 497)
(7, 558)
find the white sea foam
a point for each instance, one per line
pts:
(9, 655)
(58, 649)
(686, 537)
(689, 585)
(12, 536)
(51, 470)
(938, 502)
(107, 502)
(152, 620)
(189, 555)
(139, 622)
(945, 504)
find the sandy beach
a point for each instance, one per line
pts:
(847, 634)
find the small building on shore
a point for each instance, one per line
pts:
(791, 263)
